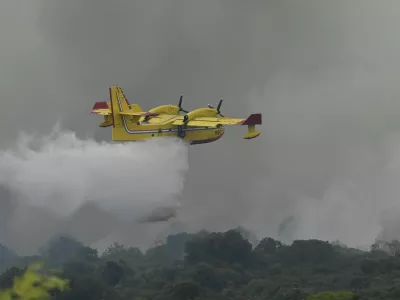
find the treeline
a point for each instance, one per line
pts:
(217, 265)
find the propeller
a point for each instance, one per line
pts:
(180, 105)
(218, 107)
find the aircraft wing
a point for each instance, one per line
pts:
(253, 119)
(251, 122)
(101, 108)
(142, 113)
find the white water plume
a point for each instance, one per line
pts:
(61, 172)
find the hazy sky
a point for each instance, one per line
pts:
(323, 73)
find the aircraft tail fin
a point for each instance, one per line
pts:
(251, 122)
(121, 108)
(135, 108)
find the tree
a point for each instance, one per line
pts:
(89, 288)
(175, 245)
(310, 251)
(117, 252)
(185, 290)
(114, 249)
(33, 284)
(268, 246)
(112, 273)
(228, 247)
(342, 295)
(247, 235)
(87, 254)
(7, 277)
(222, 265)
(60, 249)
(7, 257)
(205, 275)
(76, 269)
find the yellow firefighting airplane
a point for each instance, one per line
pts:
(130, 123)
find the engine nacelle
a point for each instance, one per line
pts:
(165, 109)
(200, 112)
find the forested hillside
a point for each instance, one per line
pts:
(222, 265)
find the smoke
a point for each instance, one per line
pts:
(63, 174)
(330, 116)
(323, 73)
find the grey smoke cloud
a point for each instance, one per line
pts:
(323, 73)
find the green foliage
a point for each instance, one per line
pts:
(227, 247)
(7, 278)
(214, 266)
(59, 250)
(112, 273)
(343, 295)
(116, 252)
(32, 285)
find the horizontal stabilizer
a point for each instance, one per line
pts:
(101, 108)
(253, 119)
